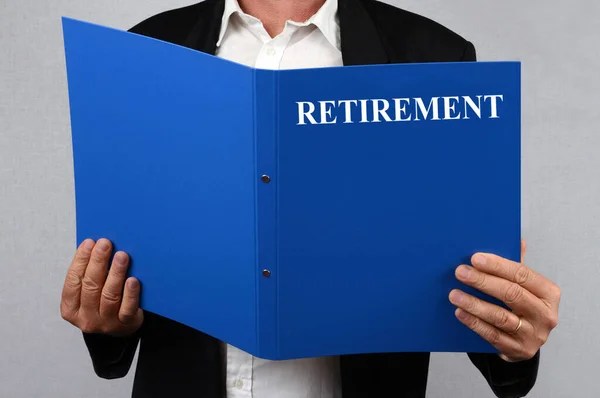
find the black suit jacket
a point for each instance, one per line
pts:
(177, 361)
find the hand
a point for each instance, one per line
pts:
(98, 301)
(533, 299)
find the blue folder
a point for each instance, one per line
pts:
(295, 213)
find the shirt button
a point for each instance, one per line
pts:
(238, 384)
(271, 51)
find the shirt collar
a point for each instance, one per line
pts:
(326, 20)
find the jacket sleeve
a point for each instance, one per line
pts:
(507, 380)
(111, 356)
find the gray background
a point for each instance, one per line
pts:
(42, 356)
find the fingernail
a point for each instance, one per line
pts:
(102, 246)
(479, 259)
(457, 297)
(463, 272)
(133, 284)
(88, 245)
(120, 258)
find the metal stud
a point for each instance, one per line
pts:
(265, 178)
(266, 273)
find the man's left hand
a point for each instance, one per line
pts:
(533, 299)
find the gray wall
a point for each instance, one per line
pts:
(42, 356)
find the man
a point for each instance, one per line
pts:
(176, 361)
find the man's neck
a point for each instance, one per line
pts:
(274, 13)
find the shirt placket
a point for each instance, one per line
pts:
(273, 49)
(240, 378)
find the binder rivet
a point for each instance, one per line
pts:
(266, 273)
(266, 179)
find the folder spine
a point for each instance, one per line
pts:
(265, 133)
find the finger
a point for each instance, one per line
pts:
(71, 292)
(130, 311)
(95, 276)
(518, 273)
(500, 340)
(112, 292)
(523, 250)
(513, 295)
(492, 314)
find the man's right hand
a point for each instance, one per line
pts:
(96, 300)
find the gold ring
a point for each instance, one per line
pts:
(519, 326)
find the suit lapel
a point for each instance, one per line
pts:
(205, 33)
(360, 40)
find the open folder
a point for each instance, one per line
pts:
(295, 213)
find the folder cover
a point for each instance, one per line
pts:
(295, 213)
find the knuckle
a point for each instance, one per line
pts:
(89, 285)
(118, 273)
(541, 339)
(99, 259)
(128, 316)
(491, 335)
(522, 275)
(127, 312)
(107, 328)
(72, 280)
(531, 352)
(474, 323)
(86, 329)
(69, 308)
(501, 318)
(126, 320)
(496, 266)
(480, 280)
(552, 320)
(556, 292)
(81, 257)
(110, 297)
(472, 306)
(513, 294)
(89, 327)
(65, 313)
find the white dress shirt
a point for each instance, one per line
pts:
(313, 43)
